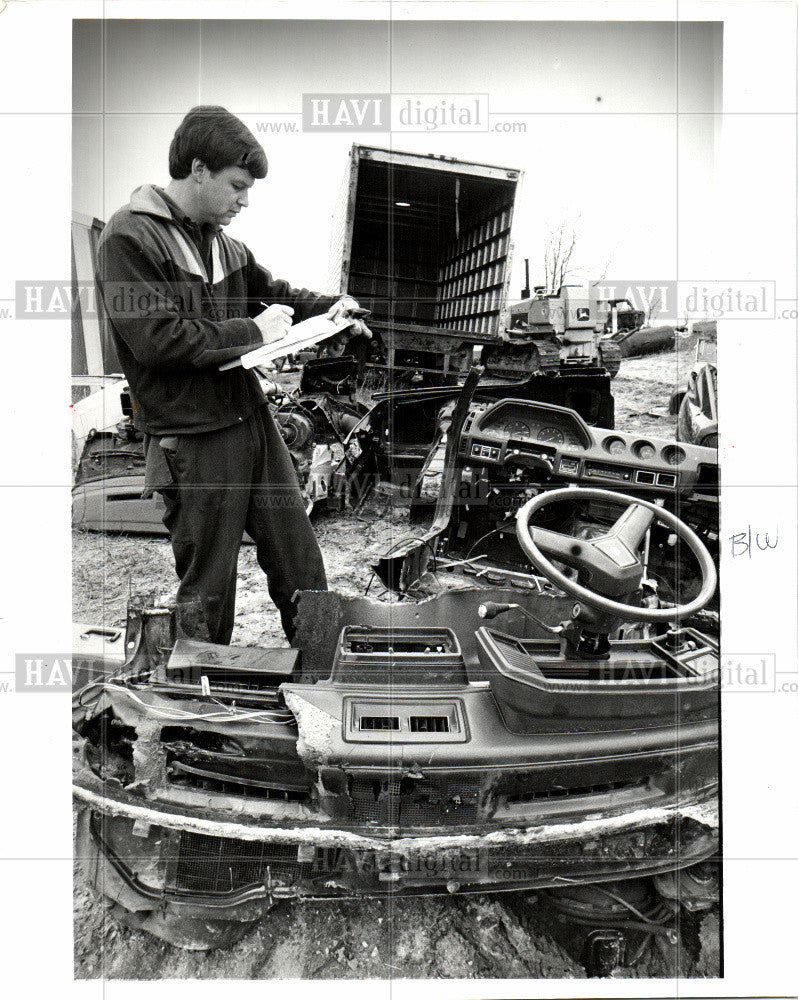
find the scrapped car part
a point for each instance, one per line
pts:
(98, 652)
(511, 450)
(644, 340)
(629, 336)
(386, 754)
(109, 482)
(97, 405)
(607, 928)
(408, 560)
(109, 479)
(696, 889)
(609, 562)
(316, 427)
(399, 436)
(622, 317)
(697, 405)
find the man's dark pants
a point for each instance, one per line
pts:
(228, 481)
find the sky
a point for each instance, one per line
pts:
(620, 125)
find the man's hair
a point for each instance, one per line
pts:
(211, 134)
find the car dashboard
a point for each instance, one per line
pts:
(516, 432)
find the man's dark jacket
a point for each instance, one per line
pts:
(175, 317)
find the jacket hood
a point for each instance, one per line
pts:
(147, 201)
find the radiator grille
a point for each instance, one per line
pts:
(220, 866)
(375, 801)
(415, 802)
(214, 865)
(516, 793)
(185, 776)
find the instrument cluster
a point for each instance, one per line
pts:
(530, 422)
(520, 432)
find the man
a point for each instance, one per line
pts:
(183, 298)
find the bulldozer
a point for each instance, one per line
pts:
(566, 329)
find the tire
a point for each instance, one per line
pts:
(675, 402)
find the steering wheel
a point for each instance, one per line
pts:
(610, 563)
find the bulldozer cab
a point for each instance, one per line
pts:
(573, 307)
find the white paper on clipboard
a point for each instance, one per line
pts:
(310, 331)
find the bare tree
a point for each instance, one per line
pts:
(558, 253)
(652, 307)
(559, 258)
(600, 277)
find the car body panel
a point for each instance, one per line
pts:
(215, 792)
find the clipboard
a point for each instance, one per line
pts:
(306, 334)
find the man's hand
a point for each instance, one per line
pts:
(348, 307)
(274, 323)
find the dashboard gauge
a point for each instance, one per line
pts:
(674, 455)
(517, 428)
(553, 434)
(614, 445)
(644, 450)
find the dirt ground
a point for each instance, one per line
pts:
(485, 936)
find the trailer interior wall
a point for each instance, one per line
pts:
(428, 239)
